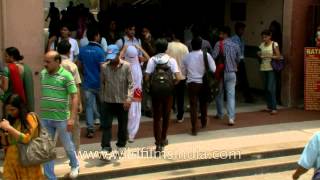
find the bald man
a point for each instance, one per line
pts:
(58, 88)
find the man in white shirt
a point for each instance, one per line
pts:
(129, 38)
(193, 67)
(65, 35)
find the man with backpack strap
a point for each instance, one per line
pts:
(129, 38)
(160, 71)
(193, 67)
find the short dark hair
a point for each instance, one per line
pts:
(239, 25)
(226, 30)
(129, 25)
(63, 47)
(65, 25)
(266, 32)
(196, 43)
(196, 31)
(161, 45)
(92, 32)
(57, 57)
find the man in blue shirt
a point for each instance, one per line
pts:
(90, 59)
(242, 73)
(310, 157)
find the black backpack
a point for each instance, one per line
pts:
(162, 82)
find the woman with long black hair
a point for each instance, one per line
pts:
(19, 126)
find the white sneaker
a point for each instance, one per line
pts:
(180, 120)
(97, 121)
(231, 122)
(131, 140)
(74, 172)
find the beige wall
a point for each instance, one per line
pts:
(22, 23)
(1, 30)
(260, 13)
(295, 35)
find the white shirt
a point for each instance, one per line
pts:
(127, 41)
(74, 51)
(193, 66)
(130, 42)
(152, 63)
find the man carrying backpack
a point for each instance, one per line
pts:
(159, 74)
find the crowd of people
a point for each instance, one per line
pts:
(109, 73)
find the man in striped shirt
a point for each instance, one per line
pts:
(57, 86)
(117, 93)
(231, 52)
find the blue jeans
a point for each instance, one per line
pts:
(65, 138)
(228, 84)
(92, 106)
(270, 89)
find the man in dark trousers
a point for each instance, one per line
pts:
(116, 94)
(161, 101)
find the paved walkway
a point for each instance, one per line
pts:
(254, 130)
(286, 175)
(247, 116)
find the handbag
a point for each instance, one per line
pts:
(137, 94)
(40, 149)
(220, 60)
(277, 64)
(210, 83)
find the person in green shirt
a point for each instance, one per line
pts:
(57, 87)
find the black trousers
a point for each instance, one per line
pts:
(179, 98)
(161, 107)
(108, 112)
(197, 94)
(243, 81)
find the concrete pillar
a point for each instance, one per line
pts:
(287, 52)
(1, 30)
(21, 25)
(295, 19)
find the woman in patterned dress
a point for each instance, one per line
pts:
(19, 126)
